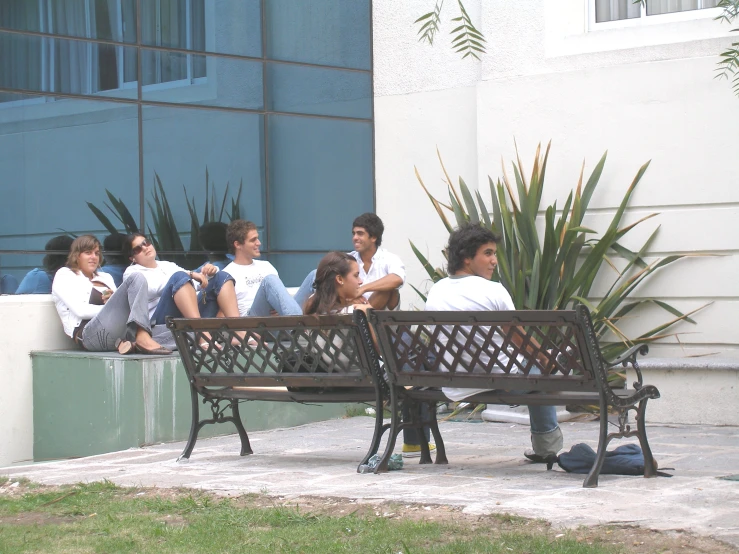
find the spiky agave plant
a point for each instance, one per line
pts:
(555, 269)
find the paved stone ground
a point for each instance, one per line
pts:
(486, 474)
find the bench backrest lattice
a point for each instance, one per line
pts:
(521, 350)
(304, 351)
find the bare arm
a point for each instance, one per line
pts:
(388, 282)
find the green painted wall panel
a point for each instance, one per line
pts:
(92, 403)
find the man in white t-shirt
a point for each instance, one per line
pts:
(382, 273)
(472, 255)
(259, 290)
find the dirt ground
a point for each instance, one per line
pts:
(631, 539)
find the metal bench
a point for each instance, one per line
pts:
(306, 359)
(425, 351)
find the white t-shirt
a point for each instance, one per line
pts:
(383, 263)
(469, 293)
(248, 278)
(156, 278)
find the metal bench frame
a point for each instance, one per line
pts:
(424, 351)
(304, 359)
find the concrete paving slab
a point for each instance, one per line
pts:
(486, 474)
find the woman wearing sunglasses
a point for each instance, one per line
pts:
(172, 289)
(95, 314)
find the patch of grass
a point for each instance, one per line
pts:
(101, 517)
(356, 410)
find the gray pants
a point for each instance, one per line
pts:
(127, 309)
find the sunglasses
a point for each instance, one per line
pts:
(137, 249)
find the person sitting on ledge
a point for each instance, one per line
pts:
(259, 290)
(95, 314)
(171, 289)
(115, 263)
(38, 281)
(213, 239)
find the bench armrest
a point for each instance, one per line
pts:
(629, 357)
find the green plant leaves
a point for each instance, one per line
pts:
(430, 24)
(467, 40)
(162, 228)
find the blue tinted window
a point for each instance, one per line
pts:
(180, 145)
(87, 146)
(293, 268)
(99, 19)
(320, 179)
(197, 79)
(315, 90)
(325, 32)
(41, 64)
(222, 27)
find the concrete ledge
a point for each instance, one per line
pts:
(694, 390)
(87, 403)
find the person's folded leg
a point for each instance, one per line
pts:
(208, 299)
(167, 305)
(306, 289)
(272, 295)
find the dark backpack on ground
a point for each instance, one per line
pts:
(627, 459)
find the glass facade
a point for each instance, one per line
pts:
(161, 113)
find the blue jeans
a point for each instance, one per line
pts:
(207, 299)
(8, 284)
(306, 289)
(272, 295)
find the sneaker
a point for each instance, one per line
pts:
(414, 450)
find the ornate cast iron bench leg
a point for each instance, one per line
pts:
(650, 466)
(395, 417)
(218, 417)
(380, 429)
(194, 425)
(591, 481)
(236, 418)
(434, 425)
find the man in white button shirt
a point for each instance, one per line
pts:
(382, 273)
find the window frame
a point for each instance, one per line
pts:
(644, 19)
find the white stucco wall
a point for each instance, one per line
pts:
(30, 323)
(641, 92)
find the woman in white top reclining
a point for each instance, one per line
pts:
(171, 289)
(95, 314)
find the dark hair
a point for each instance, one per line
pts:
(52, 262)
(237, 231)
(128, 244)
(372, 224)
(326, 299)
(464, 242)
(83, 243)
(213, 236)
(112, 245)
